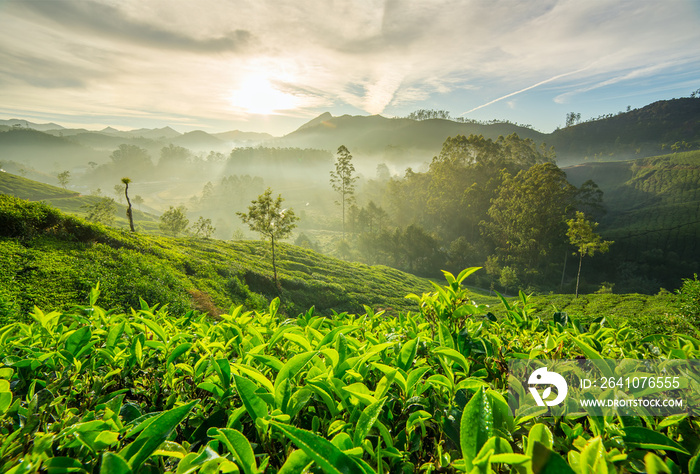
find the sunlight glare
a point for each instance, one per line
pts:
(256, 95)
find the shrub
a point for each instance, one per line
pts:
(690, 299)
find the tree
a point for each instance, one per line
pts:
(582, 235)
(527, 218)
(138, 200)
(118, 191)
(267, 217)
(64, 178)
(572, 118)
(102, 211)
(203, 228)
(129, 211)
(174, 220)
(342, 179)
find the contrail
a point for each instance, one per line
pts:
(526, 89)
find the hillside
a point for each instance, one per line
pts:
(70, 201)
(378, 135)
(42, 150)
(52, 260)
(653, 215)
(648, 131)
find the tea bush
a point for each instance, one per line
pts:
(91, 390)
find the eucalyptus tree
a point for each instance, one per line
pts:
(343, 179)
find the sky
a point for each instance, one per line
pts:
(270, 66)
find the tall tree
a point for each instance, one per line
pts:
(129, 210)
(582, 235)
(527, 217)
(267, 217)
(64, 178)
(342, 179)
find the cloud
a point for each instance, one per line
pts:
(186, 58)
(108, 21)
(559, 76)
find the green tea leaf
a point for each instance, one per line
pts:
(296, 463)
(329, 458)
(654, 464)
(159, 429)
(407, 354)
(454, 356)
(63, 464)
(254, 405)
(115, 333)
(294, 366)
(113, 463)
(476, 426)
(78, 339)
(367, 419)
(177, 352)
(238, 445)
(223, 368)
(546, 461)
(645, 438)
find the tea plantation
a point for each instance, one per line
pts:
(418, 386)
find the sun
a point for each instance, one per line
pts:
(257, 95)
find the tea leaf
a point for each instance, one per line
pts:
(329, 458)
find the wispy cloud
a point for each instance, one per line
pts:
(559, 76)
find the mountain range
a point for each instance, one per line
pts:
(648, 131)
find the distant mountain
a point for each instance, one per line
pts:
(198, 139)
(42, 127)
(236, 136)
(376, 134)
(661, 127)
(44, 150)
(648, 131)
(154, 133)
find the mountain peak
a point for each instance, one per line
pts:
(324, 117)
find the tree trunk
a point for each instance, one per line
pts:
(129, 212)
(343, 198)
(274, 266)
(578, 275)
(563, 272)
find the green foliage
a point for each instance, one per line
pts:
(63, 178)
(147, 391)
(101, 211)
(581, 234)
(174, 221)
(51, 260)
(653, 215)
(343, 179)
(690, 299)
(267, 217)
(203, 228)
(526, 224)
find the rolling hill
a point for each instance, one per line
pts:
(648, 131)
(653, 215)
(51, 260)
(371, 135)
(70, 201)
